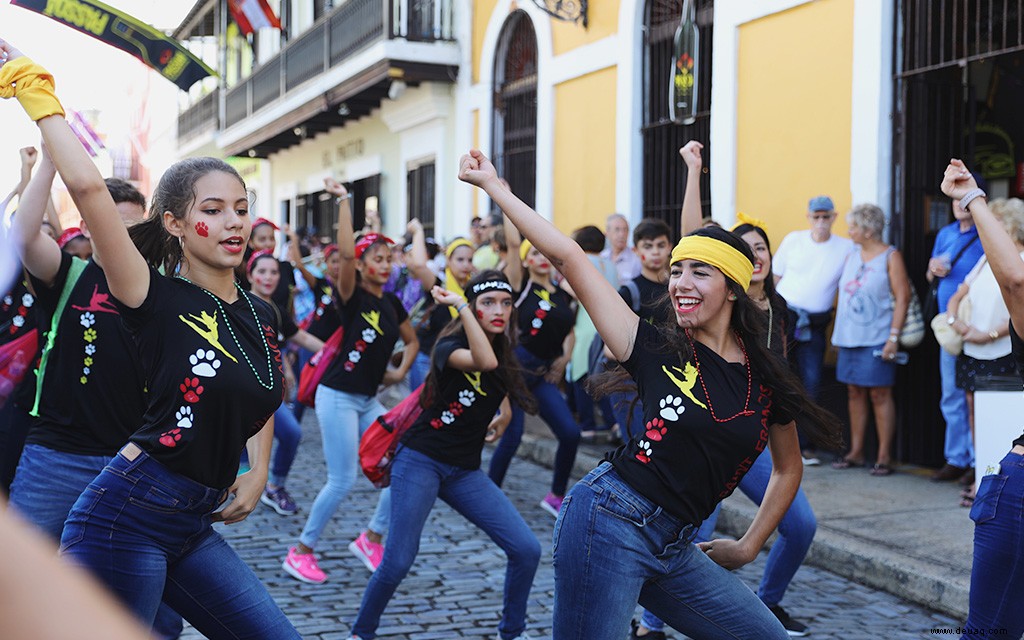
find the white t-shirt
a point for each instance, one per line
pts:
(810, 270)
(988, 312)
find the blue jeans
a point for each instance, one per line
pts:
(613, 547)
(997, 581)
(145, 532)
(631, 421)
(417, 480)
(288, 433)
(809, 357)
(796, 532)
(48, 484)
(419, 369)
(343, 418)
(554, 411)
(959, 449)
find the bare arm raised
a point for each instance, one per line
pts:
(39, 252)
(614, 320)
(690, 216)
(346, 240)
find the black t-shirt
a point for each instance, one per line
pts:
(686, 462)
(453, 428)
(371, 331)
(325, 319)
(18, 316)
(655, 305)
(282, 295)
(545, 319)
(431, 323)
(1017, 349)
(286, 327)
(93, 394)
(215, 376)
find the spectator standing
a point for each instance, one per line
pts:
(955, 253)
(626, 262)
(874, 293)
(485, 256)
(806, 268)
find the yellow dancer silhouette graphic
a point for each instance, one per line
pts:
(686, 384)
(373, 319)
(474, 379)
(210, 333)
(544, 295)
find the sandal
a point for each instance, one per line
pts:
(967, 502)
(881, 470)
(847, 463)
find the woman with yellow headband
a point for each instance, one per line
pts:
(457, 272)
(714, 397)
(545, 322)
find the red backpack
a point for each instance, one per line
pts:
(378, 444)
(15, 361)
(314, 370)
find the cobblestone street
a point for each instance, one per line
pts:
(455, 587)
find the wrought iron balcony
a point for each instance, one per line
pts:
(334, 39)
(201, 116)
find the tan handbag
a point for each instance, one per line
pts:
(949, 338)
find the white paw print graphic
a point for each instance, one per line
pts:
(670, 407)
(18, 321)
(369, 335)
(8, 300)
(184, 417)
(87, 319)
(545, 305)
(27, 300)
(645, 447)
(354, 355)
(447, 417)
(204, 363)
(319, 313)
(467, 397)
(90, 349)
(86, 370)
(325, 299)
(537, 322)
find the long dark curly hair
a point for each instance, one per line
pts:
(749, 322)
(509, 371)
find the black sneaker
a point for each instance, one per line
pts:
(650, 635)
(793, 627)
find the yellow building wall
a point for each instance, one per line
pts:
(603, 21)
(793, 116)
(482, 10)
(584, 153)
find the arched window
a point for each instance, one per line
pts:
(664, 177)
(514, 133)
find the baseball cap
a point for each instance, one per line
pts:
(821, 203)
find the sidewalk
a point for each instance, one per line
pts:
(901, 534)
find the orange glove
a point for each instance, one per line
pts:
(32, 85)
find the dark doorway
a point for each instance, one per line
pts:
(514, 132)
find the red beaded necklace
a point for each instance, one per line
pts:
(707, 396)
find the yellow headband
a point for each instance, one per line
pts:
(524, 249)
(742, 219)
(455, 244)
(736, 266)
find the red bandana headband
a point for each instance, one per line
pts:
(256, 256)
(70, 234)
(369, 240)
(261, 221)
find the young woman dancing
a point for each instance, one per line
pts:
(264, 273)
(473, 371)
(546, 319)
(713, 399)
(346, 402)
(144, 524)
(457, 271)
(997, 583)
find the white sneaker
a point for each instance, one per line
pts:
(811, 462)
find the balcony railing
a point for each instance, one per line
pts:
(199, 117)
(333, 39)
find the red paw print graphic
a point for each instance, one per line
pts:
(644, 454)
(533, 332)
(360, 345)
(541, 314)
(171, 438)
(349, 366)
(192, 390)
(436, 423)
(202, 229)
(656, 429)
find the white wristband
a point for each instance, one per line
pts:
(970, 196)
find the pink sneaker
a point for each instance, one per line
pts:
(371, 553)
(302, 566)
(551, 503)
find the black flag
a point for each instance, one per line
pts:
(120, 30)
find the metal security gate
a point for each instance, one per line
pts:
(937, 41)
(514, 133)
(664, 174)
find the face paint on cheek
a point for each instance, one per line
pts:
(202, 229)
(480, 314)
(371, 271)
